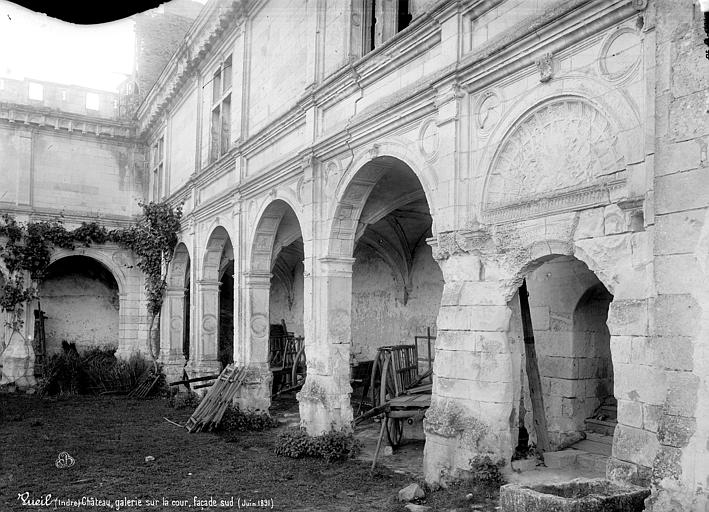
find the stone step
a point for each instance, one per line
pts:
(599, 438)
(609, 410)
(600, 426)
(593, 447)
(592, 461)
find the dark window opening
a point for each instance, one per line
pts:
(404, 16)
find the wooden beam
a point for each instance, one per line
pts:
(535, 382)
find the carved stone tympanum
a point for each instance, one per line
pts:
(564, 144)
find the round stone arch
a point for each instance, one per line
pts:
(179, 266)
(84, 303)
(112, 263)
(353, 190)
(257, 288)
(216, 242)
(176, 312)
(265, 228)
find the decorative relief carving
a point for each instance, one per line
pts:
(488, 111)
(620, 54)
(300, 189)
(545, 65)
(429, 140)
(176, 323)
(259, 325)
(564, 145)
(209, 323)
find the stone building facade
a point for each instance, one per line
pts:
(369, 169)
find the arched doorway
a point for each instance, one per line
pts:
(80, 298)
(176, 310)
(396, 283)
(569, 309)
(276, 299)
(216, 294)
(380, 285)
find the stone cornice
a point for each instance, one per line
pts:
(219, 18)
(49, 119)
(69, 217)
(559, 27)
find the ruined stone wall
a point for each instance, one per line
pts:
(75, 173)
(81, 302)
(288, 306)
(379, 315)
(677, 344)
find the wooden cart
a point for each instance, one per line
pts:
(286, 357)
(408, 408)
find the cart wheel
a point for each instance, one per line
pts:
(395, 431)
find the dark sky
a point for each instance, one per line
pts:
(89, 11)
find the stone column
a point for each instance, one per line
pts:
(172, 332)
(205, 360)
(256, 391)
(472, 409)
(325, 397)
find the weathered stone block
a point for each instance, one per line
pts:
(614, 220)
(651, 417)
(474, 318)
(574, 496)
(590, 224)
(564, 387)
(411, 492)
(481, 293)
(676, 274)
(640, 383)
(621, 349)
(628, 473)
(628, 317)
(671, 191)
(677, 156)
(682, 388)
(630, 413)
(677, 233)
(676, 315)
(559, 367)
(560, 459)
(635, 445)
(676, 430)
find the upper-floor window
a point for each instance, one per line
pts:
(380, 21)
(220, 126)
(36, 91)
(92, 101)
(157, 166)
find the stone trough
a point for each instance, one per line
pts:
(579, 495)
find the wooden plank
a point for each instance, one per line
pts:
(535, 382)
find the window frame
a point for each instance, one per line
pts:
(157, 168)
(220, 109)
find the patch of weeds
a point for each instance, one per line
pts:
(184, 400)
(487, 471)
(93, 371)
(331, 446)
(236, 420)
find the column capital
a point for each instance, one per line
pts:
(336, 265)
(172, 291)
(206, 284)
(258, 279)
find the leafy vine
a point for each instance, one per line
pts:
(26, 249)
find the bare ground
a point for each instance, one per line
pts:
(110, 437)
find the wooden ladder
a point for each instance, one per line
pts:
(211, 409)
